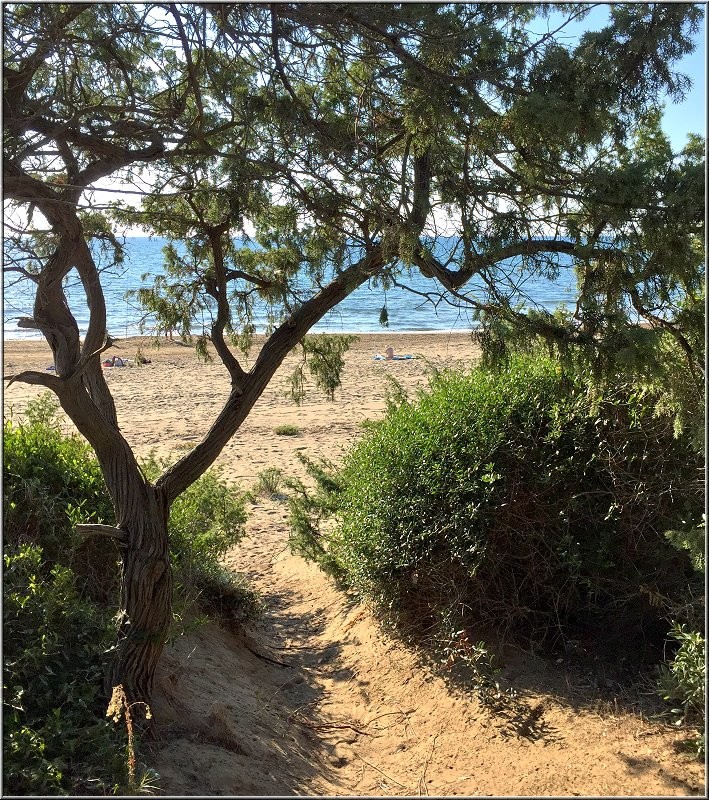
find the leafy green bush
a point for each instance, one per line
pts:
(49, 482)
(310, 510)
(682, 680)
(60, 598)
(512, 500)
(693, 540)
(56, 630)
(57, 739)
(206, 521)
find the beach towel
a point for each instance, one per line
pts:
(380, 357)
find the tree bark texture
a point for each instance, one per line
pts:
(146, 597)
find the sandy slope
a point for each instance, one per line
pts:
(314, 699)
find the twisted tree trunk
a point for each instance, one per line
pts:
(141, 517)
(142, 509)
(145, 612)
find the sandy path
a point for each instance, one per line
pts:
(314, 699)
(350, 712)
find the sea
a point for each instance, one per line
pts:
(406, 311)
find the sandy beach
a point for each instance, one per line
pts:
(315, 698)
(169, 404)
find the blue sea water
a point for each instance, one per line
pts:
(358, 313)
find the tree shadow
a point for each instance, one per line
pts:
(605, 671)
(641, 765)
(239, 709)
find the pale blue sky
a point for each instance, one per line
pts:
(690, 115)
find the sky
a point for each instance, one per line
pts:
(690, 115)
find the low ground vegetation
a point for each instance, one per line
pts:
(286, 430)
(521, 503)
(60, 598)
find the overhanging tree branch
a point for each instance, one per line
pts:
(276, 348)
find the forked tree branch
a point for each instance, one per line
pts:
(237, 407)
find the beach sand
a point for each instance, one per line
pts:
(315, 698)
(168, 405)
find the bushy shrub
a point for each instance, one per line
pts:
(57, 739)
(513, 500)
(60, 598)
(50, 481)
(206, 521)
(682, 679)
(310, 510)
(269, 483)
(59, 604)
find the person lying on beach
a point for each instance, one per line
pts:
(116, 361)
(391, 357)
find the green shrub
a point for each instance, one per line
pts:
(513, 500)
(286, 430)
(57, 621)
(270, 481)
(693, 540)
(309, 511)
(60, 598)
(57, 739)
(227, 595)
(682, 679)
(49, 482)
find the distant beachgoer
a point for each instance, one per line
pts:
(116, 361)
(391, 357)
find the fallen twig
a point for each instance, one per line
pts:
(374, 766)
(423, 789)
(295, 716)
(390, 714)
(266, 658)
